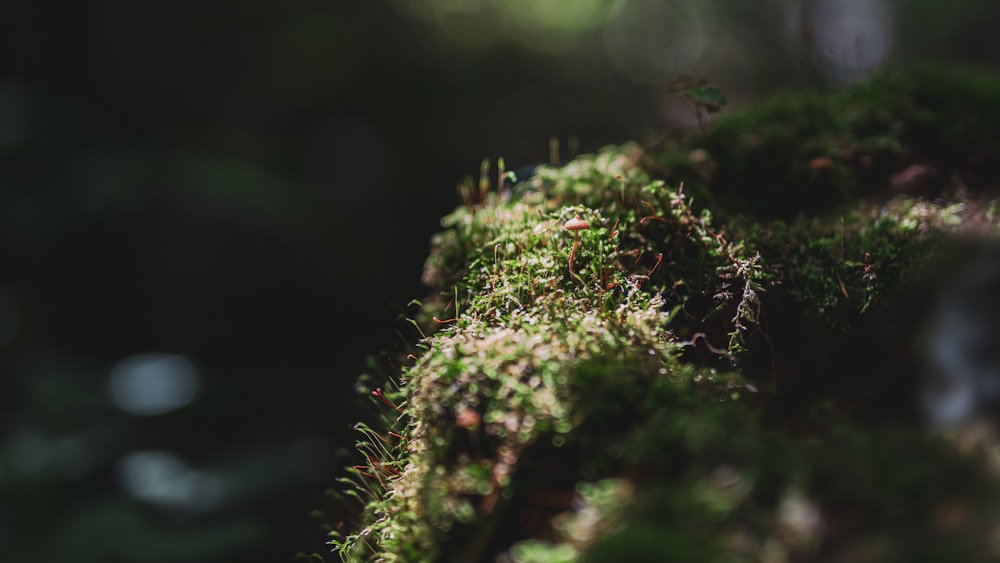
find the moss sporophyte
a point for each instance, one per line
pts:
(607, 411)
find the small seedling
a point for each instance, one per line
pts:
(706, 98)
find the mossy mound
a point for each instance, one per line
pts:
(683, 380)
(912, 128)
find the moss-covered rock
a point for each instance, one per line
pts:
(709, 370)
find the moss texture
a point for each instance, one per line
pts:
(717, 369)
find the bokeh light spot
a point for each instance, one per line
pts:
(165, 480)
(151, 384)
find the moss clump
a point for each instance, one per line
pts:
(809, 151)
(663, 383)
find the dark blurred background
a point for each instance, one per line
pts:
(213, 215)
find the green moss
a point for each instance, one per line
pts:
(661, 382)
(808, 151)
